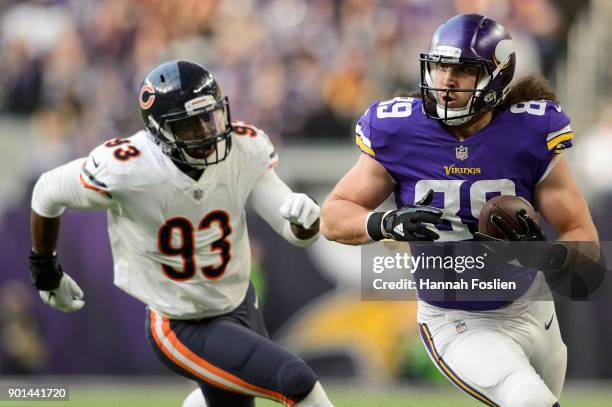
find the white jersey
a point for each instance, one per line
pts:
(180, 246)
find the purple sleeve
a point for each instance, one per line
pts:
(559, 135)
(553, 136)
(377, 130)
(363, 132)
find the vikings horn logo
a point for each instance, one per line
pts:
(147, 96)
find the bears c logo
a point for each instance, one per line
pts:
(147, 96)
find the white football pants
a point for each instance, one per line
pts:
(499, 357)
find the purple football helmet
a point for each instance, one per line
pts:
(477, 41)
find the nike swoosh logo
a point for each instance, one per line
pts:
(94, 162)
(547, 325)
(558, 108)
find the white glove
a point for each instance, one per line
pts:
(67, 297)
(300, 209)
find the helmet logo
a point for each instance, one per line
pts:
(446, 51)
(503, 51)
(489, 97)
(146, 97)
(195, 106)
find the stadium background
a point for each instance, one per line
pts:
(303, 71)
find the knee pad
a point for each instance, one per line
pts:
(527, 390)
(296, 379)
(553, 372)
(532, 396)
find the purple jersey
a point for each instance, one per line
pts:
(507, 157)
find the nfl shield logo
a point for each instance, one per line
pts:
(460, 327)
(198, 194)
(461, 153)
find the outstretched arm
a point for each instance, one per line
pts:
(294, 216)
(361, 190)
(55, 190)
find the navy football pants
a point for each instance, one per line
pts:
(231, 357)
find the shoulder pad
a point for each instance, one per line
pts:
(256, 140)
(108, 164)
(549, 120)
(560, 133)
(382, 119)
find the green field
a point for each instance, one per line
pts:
(158, 394)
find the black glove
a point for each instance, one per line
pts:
(407, 223)
(541, 257)
(45, 270)
(567, 271)
(533, 231)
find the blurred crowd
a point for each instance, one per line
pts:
(295, 68)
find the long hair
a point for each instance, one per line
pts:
(403, 93)
(531, 87)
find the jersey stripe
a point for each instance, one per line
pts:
(566, 129)
(448, 372)
(553, 142)
(363, 147)
(92, 179)
(87, 185)
(93, 183)
(362, 141)
(171, 346)
(273, 163)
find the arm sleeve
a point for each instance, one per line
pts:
(363, 136)
(266, 198)
(383, 126)
(271, 154)
(64, 187)
(559, 137)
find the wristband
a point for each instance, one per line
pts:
(374, 225)
(45, 272)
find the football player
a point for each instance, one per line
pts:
(175, 195)
(466, 137)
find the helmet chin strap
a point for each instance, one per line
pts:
(453, 113)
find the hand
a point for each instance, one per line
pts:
(57, 289)
(68, 297)
(407, 223)
(533, 231)
(299, 209)
(540, 257)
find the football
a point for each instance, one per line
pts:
(505, 206)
